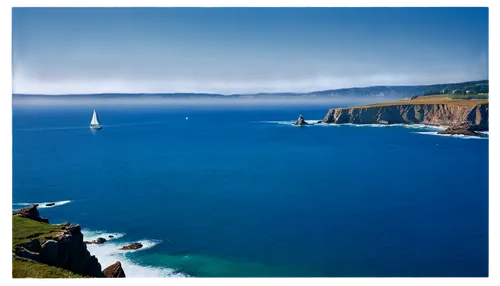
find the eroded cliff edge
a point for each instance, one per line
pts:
(451, 113)
(43, 250)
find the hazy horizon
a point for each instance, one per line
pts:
(243, 50)
(198, 101)
(230, 94)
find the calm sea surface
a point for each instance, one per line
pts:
(241, 192)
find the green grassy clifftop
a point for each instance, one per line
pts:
(43, 250)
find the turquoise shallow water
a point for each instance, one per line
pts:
(241, 192)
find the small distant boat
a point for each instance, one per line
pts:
(187, 118)
(94, 124)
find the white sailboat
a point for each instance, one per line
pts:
(94, 123)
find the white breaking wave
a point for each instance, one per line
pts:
(108, 253)
(43, 205)
(412, 126)
(454, 136)
(289, 122)
(434, 128)
(90, 235)
(313, 122)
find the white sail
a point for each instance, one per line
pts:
(94, 121)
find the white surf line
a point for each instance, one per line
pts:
(44, 205)
(451, 135)
(109, 252)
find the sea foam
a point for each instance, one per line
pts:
(288, 122)
(313, 123)
(108, 253)
(453, 136)
(43, 205)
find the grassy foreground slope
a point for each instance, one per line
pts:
(25, 268)
(25, 230)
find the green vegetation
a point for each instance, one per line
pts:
(468, 96)
(463, 88)
(25, 230)
(25, 268)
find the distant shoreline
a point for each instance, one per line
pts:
(401, 91)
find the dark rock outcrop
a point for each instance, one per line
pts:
(132, 246)
(30, 212)
(23, 252)
(300, 121)
(447, 114)
(99, 240)
(33, 246)
(50, 204)
(111, 236)
(67, 250)
(114, 270)
(462, 129)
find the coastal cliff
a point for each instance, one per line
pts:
(43, 250)
(444, 113)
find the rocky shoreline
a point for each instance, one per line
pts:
(466, 129)
(60, 245)
(465, 117)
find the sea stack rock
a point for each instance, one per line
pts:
(300, 121)
(462, 129)
(133, 246)
(99, 240)
(114, 271)
(30, 212)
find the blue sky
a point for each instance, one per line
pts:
(243, 50)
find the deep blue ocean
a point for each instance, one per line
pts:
(241, 192)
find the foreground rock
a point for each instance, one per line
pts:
(99, 240)
(462, 129)
(64, 249)
(133, 246)
(30, 212)
(114, 270)
(300, 121)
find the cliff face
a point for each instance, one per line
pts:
(30, 212)
(61, 245)
(67, 250)
(431, 114)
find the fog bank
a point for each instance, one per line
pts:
(143, 100)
